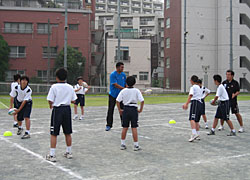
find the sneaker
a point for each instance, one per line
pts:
(68, 155)
(206, 126)
(15, 125)
(221, 128)
(81, 118)
(107, 128)
(25, 136)
(211, 133)
(241, 130)
(19, 131)
(137, 148)
(123, 147)
(75, 117)
(51, 158)
(193, 137)
(198, 138)
(232, 134)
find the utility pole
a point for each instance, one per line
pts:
(65, 34)
(119, 32)
(49, 53)
(231, 34)
(185, 45)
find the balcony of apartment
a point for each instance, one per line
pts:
(247, 2)
(109, 23)
(147, 11)
(112, 9)
(147, 23)
(147, 1)
(126, 24)
(112, 2)
(156, 7)
(100, 2)
(125, 4)
(100, 8)
(136, 1)
(136, 5)
(124, 10)
(147, 6)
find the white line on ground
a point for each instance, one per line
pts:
(4, 105)
(130, 134)
(68, 171)
(134, 173)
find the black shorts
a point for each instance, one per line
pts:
(234, 107)
(61, 116)
(80, 99)
(195, 111)
(223, 110)
(203, 107)
(15, 102)
(25, 112)
(130, 114)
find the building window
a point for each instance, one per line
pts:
(126, 73)
(167, 42)
(11, 73)
(73, 27)
(143, 76)
(168, 62)
(167, 4)
(168, 23)
(53, 52)
(167, 83)
(24, 28)
(124, 53)
(42, 28)
(17, 52)
(42, 74)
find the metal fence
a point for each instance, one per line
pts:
(5, 88)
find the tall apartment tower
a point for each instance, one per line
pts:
(130, 6)
(207, 41)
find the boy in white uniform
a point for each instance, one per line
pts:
(130, 97)
(223, 107)
(205, 92)
(80, 92)
(60, 96)
(195, 110)
(13, 85)
(22, 93)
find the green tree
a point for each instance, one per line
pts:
(75, 63)
(4, 58)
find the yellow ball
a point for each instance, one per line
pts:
(172, 121)
(7, 133)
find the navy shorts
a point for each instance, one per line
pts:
(223, 110)
(61, 116)
(130, 114)
(25, 112)
(234, 106)
(195, 111)
(203, 107)
(80, 99)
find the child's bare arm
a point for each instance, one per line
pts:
(20, 108)
(119, 107)
(141, 107)
(185, 106)
(215, 99)
(11, 102)
(50, 104)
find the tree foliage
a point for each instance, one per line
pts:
(4, 58)
(74, 57)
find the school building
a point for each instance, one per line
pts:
(24, 25)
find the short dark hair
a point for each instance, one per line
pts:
(16, 77)
(230, 71)
(118, 64)
(218, 78)
(130, 81)
(194, 78)
(80, 77)
(26, 78)
(61, 74)
(199, 81)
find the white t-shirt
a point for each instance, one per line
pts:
(83, 90)
(22, 94)
(13, 85)
(195, 90)
(130, 96)
(204, 91)
(222, 93)
(61, 94)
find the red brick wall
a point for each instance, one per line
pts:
(34, 42)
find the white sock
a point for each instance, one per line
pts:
(136, 144)
(123, 142)
(241, 127)
(27, 131)
(212, 129)
(198, 132)
(52, 152)
(15, 122)
(20, 127)
(194, 131)
(233, 130)
(68, 149)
